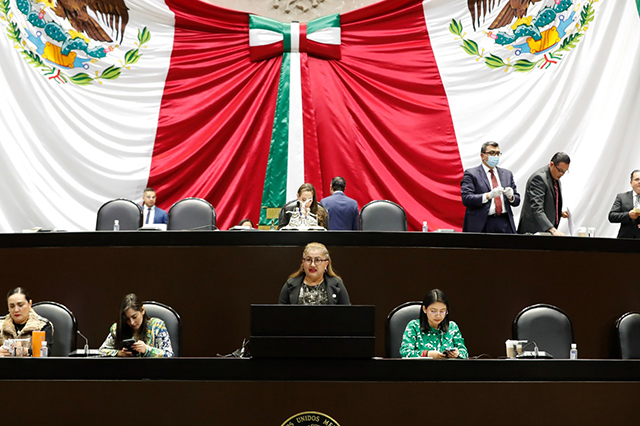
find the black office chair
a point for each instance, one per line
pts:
(383, 215)
(128, 213)
(546, 325)
(192, 214)
(65, 327)
(171, 320)
(396, 324)
(628, 327)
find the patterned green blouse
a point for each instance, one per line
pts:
(157, 341)
(414, 341)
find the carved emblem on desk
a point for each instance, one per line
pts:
(310, 418)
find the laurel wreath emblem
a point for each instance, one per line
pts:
(587, 15)
(60, 76)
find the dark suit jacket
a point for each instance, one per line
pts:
(160, 215)
(473, 187)
(336, 291)
(343, 212)
(539, 206)
(620, 214)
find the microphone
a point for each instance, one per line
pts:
(86, 343)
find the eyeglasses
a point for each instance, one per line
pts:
(493, 153)
(562, 171)
(437, 313)
(315, 260)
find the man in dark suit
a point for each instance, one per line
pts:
(626, 209)
(488, 192)
(343, 211)
(542, 207)
(152, 213)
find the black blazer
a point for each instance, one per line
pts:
(539, 206)
(620, 214)
(336, 291)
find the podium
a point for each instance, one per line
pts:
(299, 331)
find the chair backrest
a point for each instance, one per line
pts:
(126, 211)
(628, 327)
(383, 215)
(171, 320)
(65, 327)
(192, 214)
(546, 325)
(396, 324)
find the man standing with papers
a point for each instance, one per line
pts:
(542, 206)
(626, 209)
(488, 192)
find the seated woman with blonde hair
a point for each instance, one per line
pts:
(315, 282)
(135, 334)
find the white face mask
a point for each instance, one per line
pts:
(493, 161)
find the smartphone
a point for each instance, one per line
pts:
(127, 344)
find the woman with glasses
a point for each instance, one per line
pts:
(433, 335)
(315, 282)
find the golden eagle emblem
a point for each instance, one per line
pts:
(114, 12)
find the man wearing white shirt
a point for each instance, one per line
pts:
(626, 209)
(152, 213)
(488, 192)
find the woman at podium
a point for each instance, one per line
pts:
(315, 282)
(433, 335)
(137, 334)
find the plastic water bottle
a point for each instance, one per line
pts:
(573, 353)
(116, 225)
(425, 228)
(44, 350)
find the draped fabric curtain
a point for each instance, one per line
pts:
(216, 116)
(380, 115)
(177, 104)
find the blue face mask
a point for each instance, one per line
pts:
(492, 161)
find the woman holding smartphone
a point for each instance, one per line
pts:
(433, 335)
(135, 334)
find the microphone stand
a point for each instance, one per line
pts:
(86, 343)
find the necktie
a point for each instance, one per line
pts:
(148, 215)
(637, 201)
(555, 185)
(498, 199)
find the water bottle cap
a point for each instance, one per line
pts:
(116, 221)
(574, 346)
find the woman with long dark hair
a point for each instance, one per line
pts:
(433, 334)
(306, 200)
(136, 334)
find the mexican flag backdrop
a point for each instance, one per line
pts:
(199, 101)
